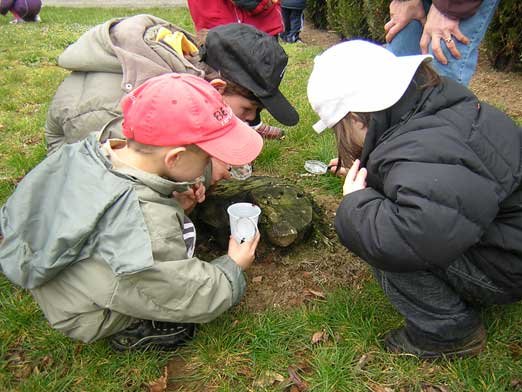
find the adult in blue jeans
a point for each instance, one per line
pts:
(433, 198)
(449, 30)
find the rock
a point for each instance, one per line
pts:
(287, 212)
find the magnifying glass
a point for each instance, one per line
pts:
(316, 167)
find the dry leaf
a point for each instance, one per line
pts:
(298, 385)
(46, 362)
(363, 361)
(257, 279)
(380, 388)
(245, 371)
(268, 379)
(307, 275)
(319, 336)
(160, 385)
(433, 388)
(318, 294)
(516, 383)
(516, 350)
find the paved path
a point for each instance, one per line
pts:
(116, 3)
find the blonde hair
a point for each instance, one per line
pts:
(150, 149)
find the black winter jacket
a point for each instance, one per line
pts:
(444, 175)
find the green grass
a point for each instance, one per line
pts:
(240, 351)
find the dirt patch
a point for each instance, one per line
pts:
(322, 38)
(284, 278)
(501, 89)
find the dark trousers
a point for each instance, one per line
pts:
(442, 305)
(294, 21)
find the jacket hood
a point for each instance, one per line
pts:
(93, 51)
(127, 46)
(415, 100)
(49, 224)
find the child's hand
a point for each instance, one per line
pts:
(199, 192)
(355, 179)
(191, 197)
(243, 254)
(333, 167)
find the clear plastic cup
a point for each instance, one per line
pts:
(243, 221)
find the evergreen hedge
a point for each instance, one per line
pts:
(366, 19)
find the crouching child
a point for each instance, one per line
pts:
(96, 234)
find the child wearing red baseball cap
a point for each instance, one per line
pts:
(96, 235)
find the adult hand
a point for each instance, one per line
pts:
(401, 14)
(191, 197)
(439, 27)
(355, 179)
(333, 167)
(245, 253)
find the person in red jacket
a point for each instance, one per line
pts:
(265, 15)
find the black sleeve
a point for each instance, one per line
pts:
(249, 5)
(428, 215)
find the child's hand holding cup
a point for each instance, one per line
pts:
(243, 221)
(245, 236)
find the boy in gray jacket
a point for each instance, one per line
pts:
(95, 232)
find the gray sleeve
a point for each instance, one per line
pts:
(177, 288)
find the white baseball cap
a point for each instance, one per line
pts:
(358, 76)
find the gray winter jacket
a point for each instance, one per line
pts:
(101, 244)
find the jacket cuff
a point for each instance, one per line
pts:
(263, 5)
(234, 274)
(457, 10)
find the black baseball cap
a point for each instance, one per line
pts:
(253, 60)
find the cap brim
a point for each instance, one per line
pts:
(280, 108)
(319, 126)
(238, 146)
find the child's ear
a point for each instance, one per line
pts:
(172, 156)
(219, 84)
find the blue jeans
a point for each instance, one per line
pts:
(441, 305)
(407, 42)
(293, 20)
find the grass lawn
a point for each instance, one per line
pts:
(242, 350)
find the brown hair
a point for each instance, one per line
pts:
(232, 88)
(347, 148)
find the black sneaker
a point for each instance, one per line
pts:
(398, 341)
(157, 335)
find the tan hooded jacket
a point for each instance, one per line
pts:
(108, 61)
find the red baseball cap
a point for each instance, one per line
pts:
(182, 109)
